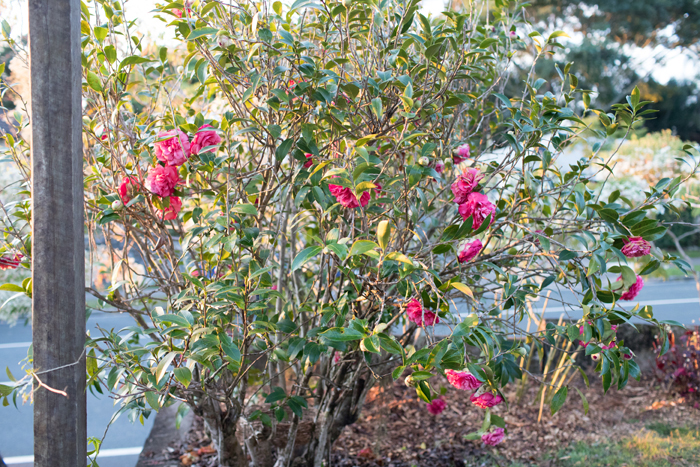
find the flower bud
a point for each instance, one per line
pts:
(117, 205)
(448, 162)
(410, 381)
(424, 161)
(595, 357)
(180, 70)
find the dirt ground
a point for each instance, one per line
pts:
(396, 429)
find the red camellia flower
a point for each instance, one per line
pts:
(465, 184)
(486, 399)
(462, 380)
(10, 260)
(494, 437)
(203, 139)
(128, 189)
(172, 147)
(636, 247)
(634, 289)
(461, 154)
(437, 406)
(479, 207)
(173, 209)
(162, 180)
(418, 315)
(470, 251)
(309, 161)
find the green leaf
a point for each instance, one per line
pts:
(133, 60)
(245, 209)
(94, 81)
(464, 328)
(183, 375)
(11, 288)
(152, 399)
(361, 247)
(163, 365)
(558, 399)
(583, 399)
(304, 256)
(201, 32)
(283, 149)
(342, 334)
(370, 344)
(377, 107)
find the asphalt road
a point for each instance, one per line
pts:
(124, 439)
(673, 300)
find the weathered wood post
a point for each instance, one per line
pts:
(58, 269)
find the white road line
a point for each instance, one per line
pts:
(15, 345)
(672, 301)
(104, 453)
(561, 309)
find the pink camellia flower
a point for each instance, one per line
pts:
(162, 180)
(462, 380)
(309, 161)
(128, 189)
(173, 147)
(486, 399)
(512, 34)
(634, 289)
(494, 437)
(337, 357)
(470, 251)
(347, 198)
(613, 327)
(439, 167)
(203, 139)
(462, 154)
(437, 406)
(10, 260)
(479, 207)
(274, 287)
(465, 184)
(173, 209)
(418, 315)
(627, 356)
(177, 12)
(636, 247)
(344, 196)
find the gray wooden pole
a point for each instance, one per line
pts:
(58, 249)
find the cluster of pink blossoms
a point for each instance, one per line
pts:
(346, 197)
(172, 148)
(471, 203)
(466, 381)
(420, 316)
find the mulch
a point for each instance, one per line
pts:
(396, 430)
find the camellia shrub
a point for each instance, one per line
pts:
(300, 200)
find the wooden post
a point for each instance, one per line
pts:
(58, 248)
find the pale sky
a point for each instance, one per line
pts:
(677, 64)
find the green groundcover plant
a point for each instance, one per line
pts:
(286, 198)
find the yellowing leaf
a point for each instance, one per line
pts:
(463, 288)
